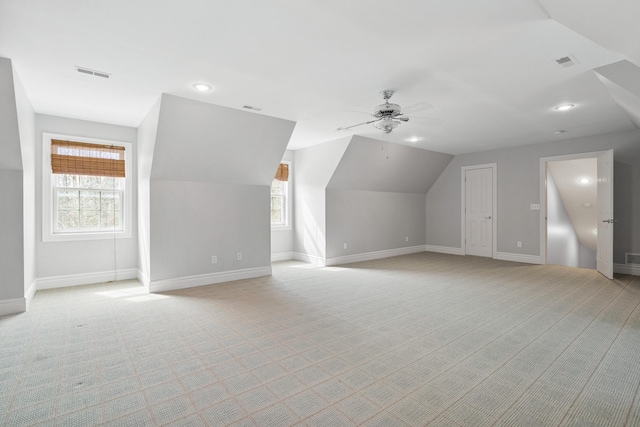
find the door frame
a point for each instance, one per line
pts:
(494, 208)
(543, 193)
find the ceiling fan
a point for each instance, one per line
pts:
(388, 116)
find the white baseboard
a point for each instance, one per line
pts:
(31, 292)
(13, 306)
(444, 250)
(164, 285)
(54, 282)
(282, 256)
(368, 256)
(529, 259)
(633, 270)
(311, 259)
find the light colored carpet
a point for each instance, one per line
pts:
(423, 339)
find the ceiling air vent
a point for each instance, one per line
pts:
(93, 72)
(566, 61)
(249, 107)
(632, 259)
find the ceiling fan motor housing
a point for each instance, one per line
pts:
(387, 110)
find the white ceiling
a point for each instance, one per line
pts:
(487, 67)
(580, 199)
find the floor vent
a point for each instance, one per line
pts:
(633, 259)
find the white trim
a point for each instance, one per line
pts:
(311, 259)
(506, 256)
(143, 279)
(633, 270)
(54, 282)
(31, 292)
(47, 193)
(543, 193)
(12, 306)
(282, 256)
(368, 256)
(494, 197)
(164, 285)
(444, 250)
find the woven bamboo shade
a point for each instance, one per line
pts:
(83, 158)
(282, 174)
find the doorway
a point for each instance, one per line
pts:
(479, 207)
(576, 225)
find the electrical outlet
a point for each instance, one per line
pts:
(214, 259)
(534, 206)
(406, 239)
(239, 256)
(345, 246)
(519, 244)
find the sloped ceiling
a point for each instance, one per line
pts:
(487, 67)
(197, 141)
(371, 165)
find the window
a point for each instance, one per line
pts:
(86, 188)
(280, 197)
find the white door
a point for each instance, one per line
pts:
(605, 214)
(479, 212)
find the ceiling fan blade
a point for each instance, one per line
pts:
(417, 107)
(359, 124)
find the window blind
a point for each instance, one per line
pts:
(282, 174)
(83, 158)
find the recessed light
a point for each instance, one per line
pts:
(584, 180)
(202, 87)
(414, 139)
(559, 132)
(564, 107)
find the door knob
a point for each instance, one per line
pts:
(487, 217)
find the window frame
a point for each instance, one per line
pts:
(49, 233)
(287, 201)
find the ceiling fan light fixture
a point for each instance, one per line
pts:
(386, 125)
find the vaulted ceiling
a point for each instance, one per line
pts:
(489, 68)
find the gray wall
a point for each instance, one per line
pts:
(519, 186)
(375, 199)
(209, 188)
(563, 246)
(282, 239)
(371, 221)
(85, 256)
(12, 267)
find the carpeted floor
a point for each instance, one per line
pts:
(423, 339)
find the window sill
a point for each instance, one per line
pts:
(74, 237)
(281, 228)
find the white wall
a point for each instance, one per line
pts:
(563, 246)
(12, 253)
(519, 186)
(314, 167)
(146, 144)
(282, 239)
(57, 262)
(26, 127)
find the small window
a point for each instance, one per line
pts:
(86, 189)
(280, 197)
